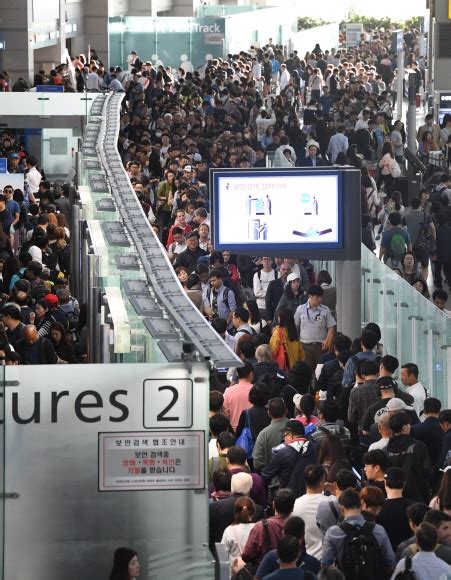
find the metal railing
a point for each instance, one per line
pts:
(169, 315)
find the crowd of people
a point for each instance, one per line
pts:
(322, 463)
(40, 321)
(351, 462)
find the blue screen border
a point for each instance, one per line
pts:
(259, 248)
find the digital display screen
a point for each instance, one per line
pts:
(277, 209)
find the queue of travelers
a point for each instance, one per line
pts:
(40, 321)
(328, 457)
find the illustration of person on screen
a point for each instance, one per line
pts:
(268, 205)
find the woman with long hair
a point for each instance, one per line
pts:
(292, 296)
(255, 320)
(125, 565)
(235, 536)
(442, 501)
(394, 203)
(285, 346)
(330, 451)
(305, 407)
(63, 347)
(419, 283)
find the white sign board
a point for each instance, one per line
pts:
(151, 461)
(353, 32)
(257, 207)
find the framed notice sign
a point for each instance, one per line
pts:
(143, 460)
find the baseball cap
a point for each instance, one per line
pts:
(295, 427)
(291, 277)
(51, 299)
(188, 168)
(396, 404)
(385, 383)
(14, 156)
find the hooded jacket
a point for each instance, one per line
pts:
(412, 457)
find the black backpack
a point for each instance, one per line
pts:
(407, 573)
(362, 557)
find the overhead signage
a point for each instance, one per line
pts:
(277, 209)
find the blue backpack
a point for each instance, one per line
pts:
(245, 440)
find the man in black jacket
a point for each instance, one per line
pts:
(290, 459)
(411, 456)
(429, 431)
(443, 251)
(341, 342)
(275, 291)
(35, 350)
(193, 252)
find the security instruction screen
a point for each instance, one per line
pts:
(269, 210)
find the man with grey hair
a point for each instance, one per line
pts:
(222, 512)
(265, 365)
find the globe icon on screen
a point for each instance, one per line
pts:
(305, 198)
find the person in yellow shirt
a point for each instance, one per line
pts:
(285, 346)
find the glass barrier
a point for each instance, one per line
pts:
(3, 495)
(413, 329)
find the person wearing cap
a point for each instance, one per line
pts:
(388, 388)
(290, 458)
(410, 455)
(292, 296)
(188, 258)
(316, 326)
(14, 165)
(312, 159)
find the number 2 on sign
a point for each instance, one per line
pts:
(175, 395)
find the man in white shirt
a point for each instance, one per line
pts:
(261, 281)
(338, 144)
(409, 378)
(263, 121)
(32, 178)
(306, 507)
(284, 77)
(256, 69)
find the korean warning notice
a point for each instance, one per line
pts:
(151, 461)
